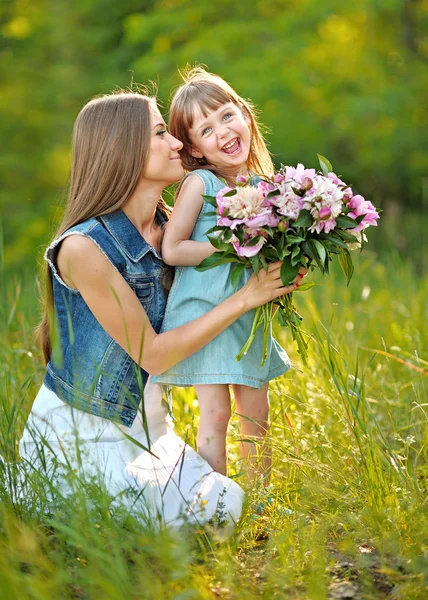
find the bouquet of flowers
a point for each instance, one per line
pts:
(300, 217)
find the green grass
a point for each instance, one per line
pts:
(349, 441)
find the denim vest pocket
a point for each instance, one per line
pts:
(118, 379)
(144, 289)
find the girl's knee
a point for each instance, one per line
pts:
(220, 415)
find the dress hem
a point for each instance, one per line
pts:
(220, 378)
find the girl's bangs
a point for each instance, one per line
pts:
(203, 97)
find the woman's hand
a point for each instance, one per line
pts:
(267, 285)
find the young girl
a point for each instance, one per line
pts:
(221, 138)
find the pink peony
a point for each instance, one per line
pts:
(299, 173)
(266, 218)
(221, 200)
(361, 206)
(287, 202)
(232, 223)
(248, 202)
(324, 202)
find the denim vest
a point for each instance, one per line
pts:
(88, 369)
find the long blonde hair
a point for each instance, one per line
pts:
(208, 92)
(111, 138)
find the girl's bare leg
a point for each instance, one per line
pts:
(214, 402)
(253, 407)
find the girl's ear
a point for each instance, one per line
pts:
(245, 113)
(195, 153)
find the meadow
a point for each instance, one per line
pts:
(347, 513)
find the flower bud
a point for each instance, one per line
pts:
(278, 178)
(324, 213)
(307, 183)
(283, 225)
(241, 179)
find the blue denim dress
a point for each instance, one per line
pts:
(192, 295)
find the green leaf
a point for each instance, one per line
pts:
(255, 263)
(239, 232)
(288, 271)
(294, 239)
(310, 249)
(227, 234)
(345, 262)
(321, 250)
(271, 253)
(230, 193)
(325, 164)
(346, 222)
(210, 200)
(215, 228)
(303, 220)
(218, 258)
(333, 239)
(282, 318)
(307, 285)
(347, 237)
(254, 241)
(236, 275)
(299, 192)
(263, 262)
(218, 243)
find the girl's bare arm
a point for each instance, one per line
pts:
(177, 248)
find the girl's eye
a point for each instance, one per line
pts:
(227, 116)
(206, 130)
(161, 132)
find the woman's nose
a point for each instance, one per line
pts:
(175, 143)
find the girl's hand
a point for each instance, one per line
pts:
(267, 285)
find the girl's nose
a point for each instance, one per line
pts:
(175, 143)
(223, 131)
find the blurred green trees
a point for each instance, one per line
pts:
(344, 80)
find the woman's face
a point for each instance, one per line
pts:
(164, 163)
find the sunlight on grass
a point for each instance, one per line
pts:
(347, 506)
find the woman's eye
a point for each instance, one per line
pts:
(161, 132)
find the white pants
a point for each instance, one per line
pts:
(171, 482)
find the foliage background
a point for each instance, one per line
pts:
(349, 430)
(342, 79)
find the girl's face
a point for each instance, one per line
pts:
(163, 163)
(222, 138)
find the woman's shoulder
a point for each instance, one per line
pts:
(85, 240)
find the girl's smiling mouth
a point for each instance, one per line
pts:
(232, 147)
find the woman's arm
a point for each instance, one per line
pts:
(118, 310)
(177, 249)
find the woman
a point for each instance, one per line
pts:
(105, 301)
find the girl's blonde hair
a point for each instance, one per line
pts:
(111, 140)
(208, 92)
